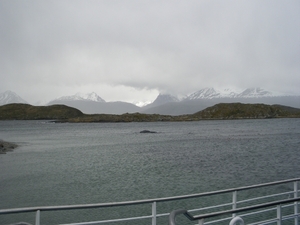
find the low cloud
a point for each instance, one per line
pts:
(133, 50)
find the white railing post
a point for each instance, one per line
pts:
(201, 222)
(153, 213)
(37, 217)
(296, 203)
(279, 215)
(234, 201)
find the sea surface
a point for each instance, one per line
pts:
(65, 163)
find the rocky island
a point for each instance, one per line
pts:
(6, 146)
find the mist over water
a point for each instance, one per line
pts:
(62, 164)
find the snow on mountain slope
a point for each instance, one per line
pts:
(82, 97)
(211, 93)
(229, 93)
(8, 97)
(255, 93)
(206, 93)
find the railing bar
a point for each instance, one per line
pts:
(263, 222)
(109, 221)
(253, 207)
(219, 220)
(210, 207)
(113, 204)
(268, 196)
(121, 219)
(291, 216)
(273, 220)
(248, 214)
(227, 190)
(118, 220)
(286, 206)
(162, 214)
(257, 212)
(216, 221)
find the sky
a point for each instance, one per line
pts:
(132, 50)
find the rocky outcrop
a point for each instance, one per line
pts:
(147, 132)
(6, 146)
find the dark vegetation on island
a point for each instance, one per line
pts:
(62, 113)
(20, 111)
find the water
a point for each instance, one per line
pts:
(61, 164)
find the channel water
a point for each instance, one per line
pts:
(66, 163)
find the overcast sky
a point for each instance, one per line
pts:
(132, 50)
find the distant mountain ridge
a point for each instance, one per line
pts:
(166, 104)
(80, 96)
(210, 93)
(207, 97)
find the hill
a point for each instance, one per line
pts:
(9, 97)
(19, 111)
(246, 111)
(63, 113)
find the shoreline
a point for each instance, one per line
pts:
(7, 146)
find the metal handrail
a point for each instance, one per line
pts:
(136, 202)
(153, 201)
(174, 213)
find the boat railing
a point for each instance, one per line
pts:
(278, 219)
(239, 204)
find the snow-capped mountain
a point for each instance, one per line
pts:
(211, 93)
(207, 93)
(92, 103)
(8, 97)
(81, 97)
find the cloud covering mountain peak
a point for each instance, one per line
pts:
(82, 97)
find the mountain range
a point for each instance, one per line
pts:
(165, 104)
(210, 93)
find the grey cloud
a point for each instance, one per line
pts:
(163, 45)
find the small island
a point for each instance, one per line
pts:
(6, 146)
